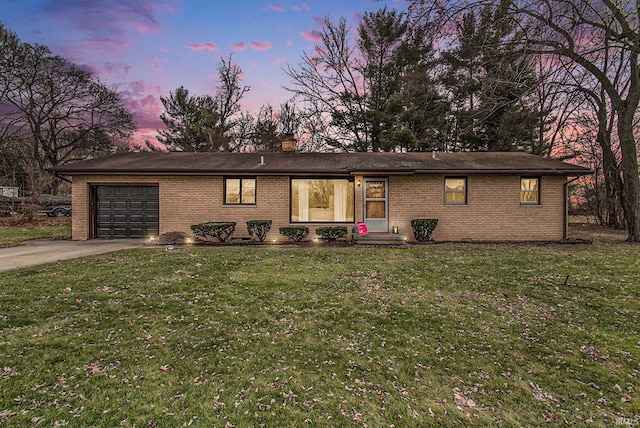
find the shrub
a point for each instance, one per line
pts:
(221, 231)
(259, 228)
(423, 228)
(172, 238)
(332, 233)
(295, 233)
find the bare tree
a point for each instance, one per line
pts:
(330, 81)
(52, 112)
(227, 103)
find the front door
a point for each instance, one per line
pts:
(376, 201)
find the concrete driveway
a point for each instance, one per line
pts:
(42, 251)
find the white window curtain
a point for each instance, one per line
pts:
(303, 200)
(340, 188)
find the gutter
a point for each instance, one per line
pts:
(565, 206)
(57, 175)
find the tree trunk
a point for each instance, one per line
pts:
(631, 181)
(612, 180)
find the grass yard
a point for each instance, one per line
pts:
(12, 234)
(440, 335)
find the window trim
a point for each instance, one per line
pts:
(243, 204)
(539, 192)
(348, 179)
(466, 188)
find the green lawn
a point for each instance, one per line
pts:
(12, 235)
(440, 335)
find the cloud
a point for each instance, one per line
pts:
(89, 69)
(312, 35)
(202, 46)
(104, 26)
(115, 67)
(239, 47)
(301, 6)
(276, 7)
(261, 46)
(102, 18)
(143, 100)
(279, 60)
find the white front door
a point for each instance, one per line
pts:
(376, 201)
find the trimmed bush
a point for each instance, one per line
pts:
(221, 231)
(259, 228)
(423, 228)
(295, 233)
(332, 233)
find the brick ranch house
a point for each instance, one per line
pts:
(475, 196)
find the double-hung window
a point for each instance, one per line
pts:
(240, 191)
(530, 190)
(455, 190)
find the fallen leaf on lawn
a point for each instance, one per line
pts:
(463, 401)
(93, 368)
(6, 413)
(164, 368)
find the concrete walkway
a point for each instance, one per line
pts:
(41, 251)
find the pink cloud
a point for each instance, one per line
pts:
(261, 46)
(109, 18)
(146, 107)
(202, 46)
(301, 6)
(276, 7)
(115, 68)
(312, 35)
(279, 60)
(239, 47)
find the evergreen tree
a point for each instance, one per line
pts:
(190, 122)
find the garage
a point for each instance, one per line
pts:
(125, 211)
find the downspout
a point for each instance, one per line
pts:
(565, 206)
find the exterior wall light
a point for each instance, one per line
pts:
(395, 228)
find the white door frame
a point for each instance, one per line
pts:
(376, 224)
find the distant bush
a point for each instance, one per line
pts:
(295, 233)
(259, 228)
(221, 231)
(423, 228)
(332, 233)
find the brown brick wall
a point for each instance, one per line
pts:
(493, 211)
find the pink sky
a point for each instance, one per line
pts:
(146, 48)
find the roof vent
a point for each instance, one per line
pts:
(433, 154)
(261, 160)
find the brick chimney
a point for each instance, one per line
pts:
(289, 143)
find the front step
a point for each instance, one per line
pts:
(380, 239)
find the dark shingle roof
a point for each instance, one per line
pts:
(181, 163)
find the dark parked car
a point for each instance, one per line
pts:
(57, 210)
